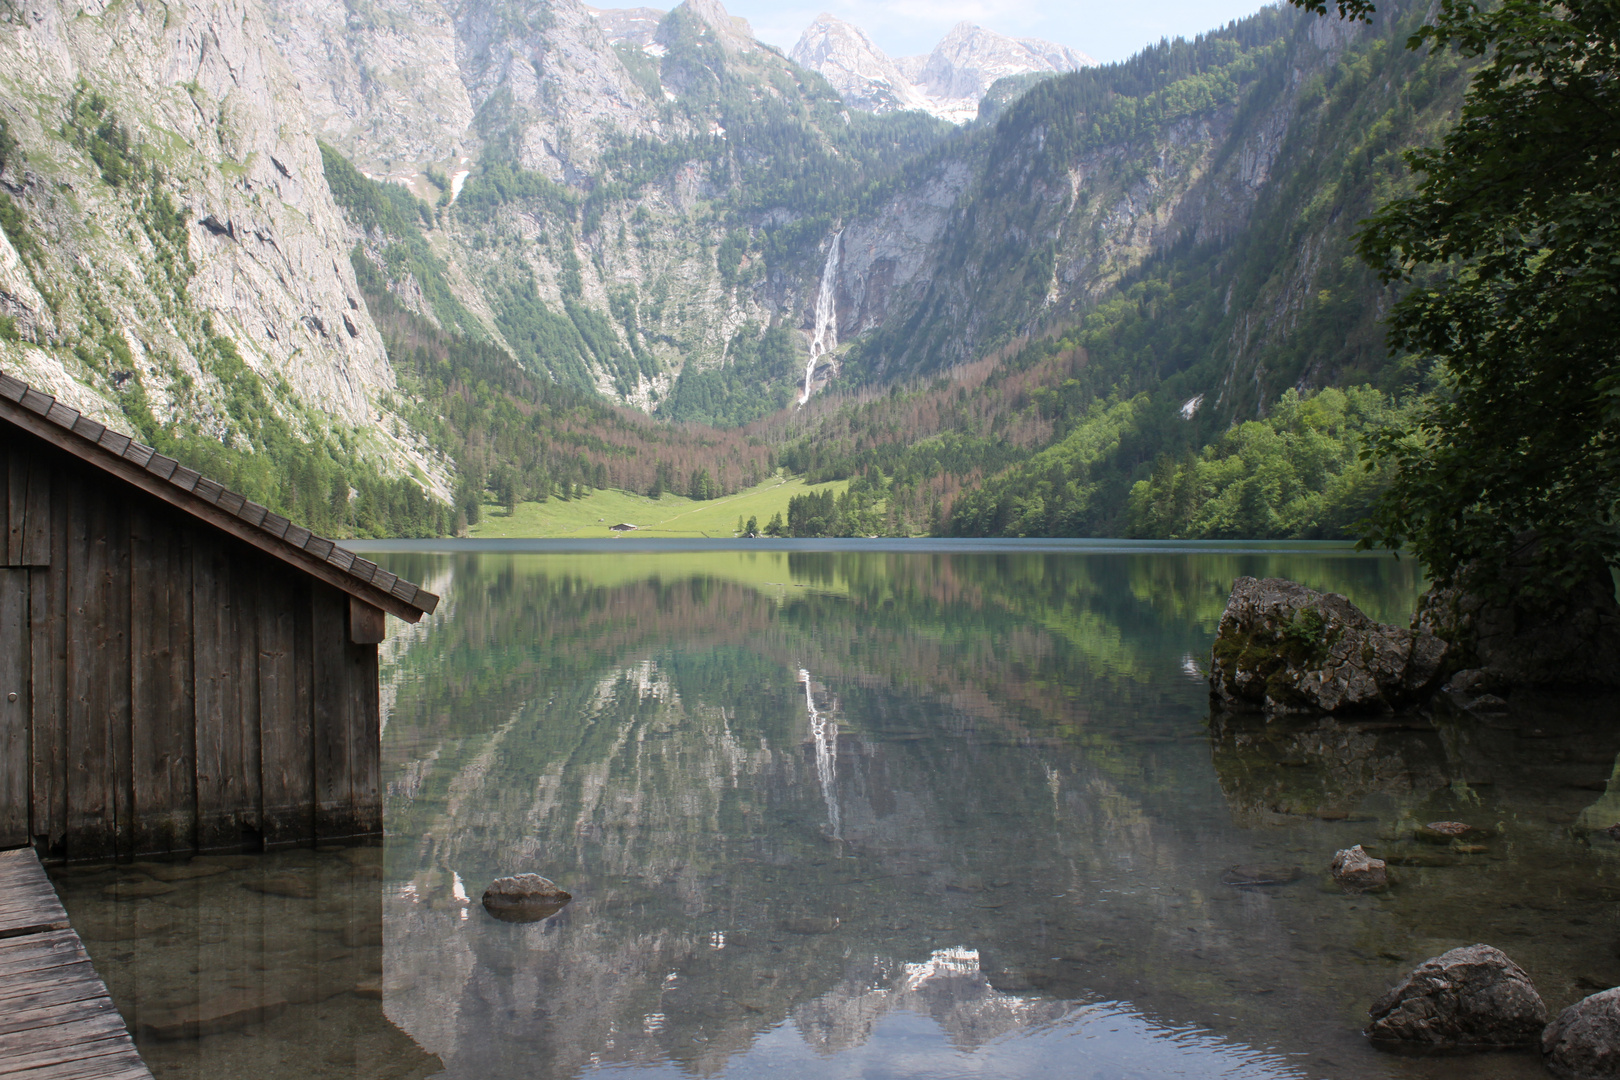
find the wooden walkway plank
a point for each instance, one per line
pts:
(52, 948)
(46, 1015)
(100, 1045)
(61, 986)
(122, 1065)
(28, 904)
(57, 1021)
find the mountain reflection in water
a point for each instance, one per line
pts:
(844, 814)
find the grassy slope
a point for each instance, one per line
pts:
(672, 515)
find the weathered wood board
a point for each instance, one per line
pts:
(176, 688)
(57, 1021)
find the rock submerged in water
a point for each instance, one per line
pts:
(1466, 1000)
(524, 898)
(1447, 832)
(1283, 648)
(216, 1013)
(1357, 871)
(1584, 1042)
(1247, 876)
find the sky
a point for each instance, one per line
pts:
(1106, 31)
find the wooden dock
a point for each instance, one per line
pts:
(57, 1021)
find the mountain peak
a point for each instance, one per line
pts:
(970, 58)
(734, 32)
(948, 82)
(628, 26)
(863, 76)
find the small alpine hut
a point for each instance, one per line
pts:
(180, 669)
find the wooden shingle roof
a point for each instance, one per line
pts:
(208, 501)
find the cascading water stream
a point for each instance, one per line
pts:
(825, 338)
(824, 730)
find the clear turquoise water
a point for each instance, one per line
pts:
(910, 812)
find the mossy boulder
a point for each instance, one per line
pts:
(1284, 648)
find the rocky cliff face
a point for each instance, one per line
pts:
(862, 73)
(948, 83)
(971, 59)
(1076, 188)
(384, 88)
(396, 86)
(171, 210)
(628, 26)
(622, 199)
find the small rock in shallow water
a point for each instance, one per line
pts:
(1447, 828)
(1444, 832)
(1469, 999)
(1261, 875)
(175, 871)
(229, 862)
(524, 898)
(1357, 871)
(1584, 1042)
(295, 886)
(136, 890)
(1473, 681)
(217, 1012)
(1420, 858)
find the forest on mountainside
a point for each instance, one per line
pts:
(1103, 428)
(1106, 426)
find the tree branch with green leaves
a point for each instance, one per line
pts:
(1510, 246)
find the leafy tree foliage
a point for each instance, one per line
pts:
(1294, 475)
(1520, 204)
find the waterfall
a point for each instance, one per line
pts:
(824, 730)
(825, 338)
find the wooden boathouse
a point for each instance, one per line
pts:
(180, 669)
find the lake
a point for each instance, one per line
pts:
(839, 810)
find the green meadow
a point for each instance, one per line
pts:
(669, 516)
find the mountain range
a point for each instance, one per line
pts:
(948, 82)
(399, 249)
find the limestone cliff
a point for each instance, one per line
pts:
(170, 211)
(862, 73)
(948, 82)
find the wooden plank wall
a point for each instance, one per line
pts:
(185, 691)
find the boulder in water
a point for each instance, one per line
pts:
(1584, 1042)
(524, 898)
(1357, 871)
(1284, 648)
(1469, 999)
(1518, 636)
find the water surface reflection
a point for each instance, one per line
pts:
(844, 814)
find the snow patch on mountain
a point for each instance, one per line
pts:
(948, 82)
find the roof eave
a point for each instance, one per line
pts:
(105, 449)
